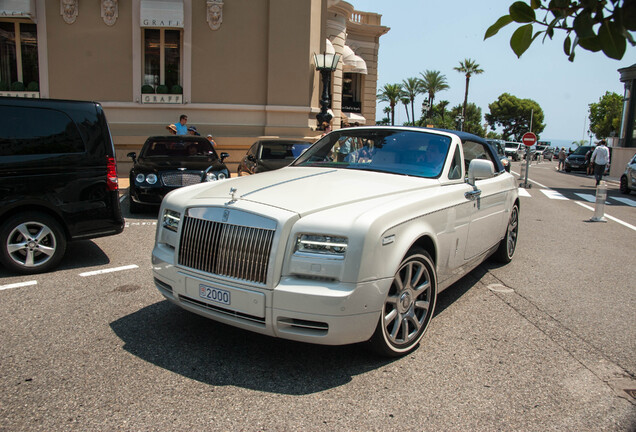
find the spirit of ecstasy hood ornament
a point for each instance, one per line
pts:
(233, 195)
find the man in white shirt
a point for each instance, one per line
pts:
(600, 158)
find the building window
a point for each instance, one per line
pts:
(351, 91)
(18, 57)
(162, 61)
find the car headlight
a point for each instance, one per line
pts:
(331, 246)
(151, 178)
(140, 178)
(222, 176)
(170, 220)
(210, 176)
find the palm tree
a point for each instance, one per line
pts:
(391, 93)
(468, 67)
(405, 100)
(411, 88)
(431, 83)
(441, 107)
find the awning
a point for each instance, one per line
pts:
(352, 63)
(329, 49)
(17, 9)
(161, 13)
(354, 117)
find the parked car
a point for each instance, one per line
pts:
(166, 163)
(628, 179)
(332, 251)
(270, 154)
(548, 154)
(538, 151)
(576, 160)
(58, 180)
(501, 152)
(514, 150)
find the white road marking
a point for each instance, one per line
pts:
(111, 270)
(624, 200)
(129, 224)
(524, 193)
(608, 216)
(123, 197)
(552, 194)
(589, 197)
(18, 285)
(530, 180)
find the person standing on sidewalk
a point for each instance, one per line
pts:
(561, 159)
(600, 158)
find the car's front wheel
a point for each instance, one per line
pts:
(31, 242)
(508, 244)
(624, 187)
(408, 307)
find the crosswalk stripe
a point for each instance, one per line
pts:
(588, 197)
(524, 193)
(623, 200)
(553, 194)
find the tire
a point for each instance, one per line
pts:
(408, 308)
(31, 242)
(624, 188)
(508, 244)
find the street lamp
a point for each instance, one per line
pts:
(325, 64)
(460, 119)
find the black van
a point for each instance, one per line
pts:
(58, 180)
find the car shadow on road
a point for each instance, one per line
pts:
(221, 355)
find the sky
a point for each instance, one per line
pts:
(438, 34)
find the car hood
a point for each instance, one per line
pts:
(306, 190)
(166, 164)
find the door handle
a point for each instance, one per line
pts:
(473, 195)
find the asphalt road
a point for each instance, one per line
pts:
(544, 343)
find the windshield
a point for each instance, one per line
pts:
(413, 153)
(178, 149)
(286, 151)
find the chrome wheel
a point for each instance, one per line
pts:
(508, 244)
(408, 306)
(32, 243)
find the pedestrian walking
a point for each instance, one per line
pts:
(588, 163)
(211, 139)
(562, 159)
(600, 158)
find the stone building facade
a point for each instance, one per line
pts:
(239, 69)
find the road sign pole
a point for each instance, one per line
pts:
(529, 139)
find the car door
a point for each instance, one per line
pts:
(487, 220)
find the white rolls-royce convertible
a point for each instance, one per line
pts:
(352, 242)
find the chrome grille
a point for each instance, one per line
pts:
(223, 249)
(181, 178)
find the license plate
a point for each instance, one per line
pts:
(214, 294)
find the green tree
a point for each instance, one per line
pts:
(441, 108)
(411, 88)
(468, 67)
(513, 115)
(580, 143)
(431, 83)
(405, 100)
(391, 93)
(385, 120)
(605, 116)
(594, 25)
(472, 119)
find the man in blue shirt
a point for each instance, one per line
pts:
(182, 129)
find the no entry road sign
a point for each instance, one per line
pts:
(529, 139)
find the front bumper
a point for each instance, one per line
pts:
(320, 312)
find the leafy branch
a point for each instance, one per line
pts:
(594, 25)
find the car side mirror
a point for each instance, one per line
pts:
(133, 156)
(224, 156)
(480, 169)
